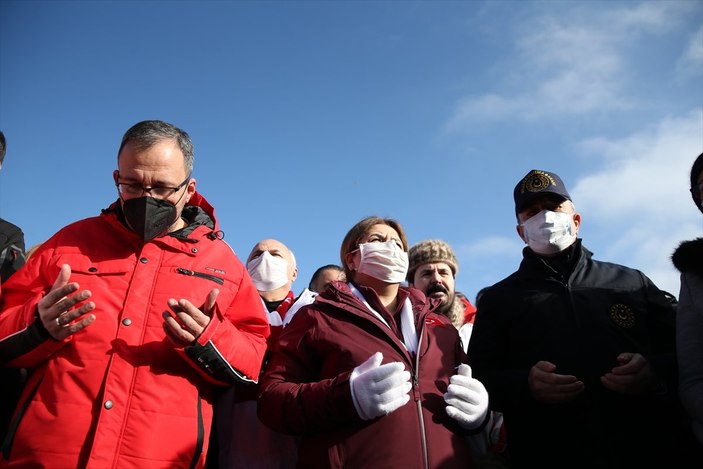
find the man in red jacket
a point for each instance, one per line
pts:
(129, 321)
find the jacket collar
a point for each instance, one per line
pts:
(340, 295)
(561, 266)
(198, 212)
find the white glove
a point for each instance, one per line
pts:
(466, 398)
(379, 389)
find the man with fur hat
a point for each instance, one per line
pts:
(577, 354)
(432, 270)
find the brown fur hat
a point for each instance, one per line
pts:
(431, 250)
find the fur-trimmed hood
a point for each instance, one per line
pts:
(456, 312)
(688, 257)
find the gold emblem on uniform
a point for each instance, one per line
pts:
(622, 315)
(537, 181)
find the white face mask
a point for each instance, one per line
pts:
(549, 232)
(383, 261)
(268, 272)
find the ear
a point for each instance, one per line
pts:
(190, 189)
(349, 260)
(521, 233)
(295, 274)
(577, 222)
(115, 176)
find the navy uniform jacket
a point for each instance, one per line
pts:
(580, 321)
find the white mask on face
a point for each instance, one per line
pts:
(268, 272)
(549, 232)
(383, 261)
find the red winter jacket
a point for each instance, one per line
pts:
(306, 387)
(118, 394)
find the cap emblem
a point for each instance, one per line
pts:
(537, 181)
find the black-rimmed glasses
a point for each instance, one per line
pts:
(157, 192)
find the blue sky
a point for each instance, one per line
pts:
(309, 115)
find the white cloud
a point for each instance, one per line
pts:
(489, 247)
(489, 106)
(571, 64)
(636, 207)
(650, 16)
(648, 247)
(690, 64)
(645, 173)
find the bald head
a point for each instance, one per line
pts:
(278, 252)
(275, 248)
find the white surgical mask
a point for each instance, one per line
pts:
(549, 232)
(383, 261)
(268, 272)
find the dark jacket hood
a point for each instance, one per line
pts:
(688, 257)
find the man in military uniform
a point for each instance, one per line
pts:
(578, 354)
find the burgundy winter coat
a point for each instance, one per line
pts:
(306, 387)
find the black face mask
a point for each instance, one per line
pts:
(149, 217)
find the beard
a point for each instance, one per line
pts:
(447, 298)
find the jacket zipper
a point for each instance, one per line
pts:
(12, 430)
(416, 386)
(415, 378)
(192, 273)
(201, 436)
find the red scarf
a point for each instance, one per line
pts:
(282, 309)
(285, 305)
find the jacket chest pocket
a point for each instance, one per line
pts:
(91, 274)
(219, 280)
(192, 282)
